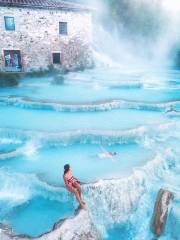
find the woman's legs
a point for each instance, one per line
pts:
(78, 187)
(81, 203)
(77, 196)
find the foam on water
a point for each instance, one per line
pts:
(22, 196)
(117, 200)
(30, 103)
(18, 188)
(132, 199)
(93, 136)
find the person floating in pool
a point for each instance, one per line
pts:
(73, 184)
(106, 154)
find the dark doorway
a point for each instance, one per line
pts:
(12, 60)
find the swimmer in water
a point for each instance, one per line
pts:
(106, 154)
(112, 153)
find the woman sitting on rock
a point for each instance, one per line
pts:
(73, 184)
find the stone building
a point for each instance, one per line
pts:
(37, 34)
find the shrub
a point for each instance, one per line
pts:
(8, 79)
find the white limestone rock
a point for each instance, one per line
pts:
(80, 227)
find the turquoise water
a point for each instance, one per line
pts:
(44, 125)
(85, 155)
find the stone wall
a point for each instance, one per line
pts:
(37, 36)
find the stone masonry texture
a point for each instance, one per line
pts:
(37, 36)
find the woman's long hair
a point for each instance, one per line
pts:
(66, 168)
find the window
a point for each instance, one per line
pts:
(56, 58)
(63, 28)
(9, 23)
(12, 60)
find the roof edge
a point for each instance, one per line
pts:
(73, 8)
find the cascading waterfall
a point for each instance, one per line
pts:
(144, 33)
(121, 200)
(118, 200)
